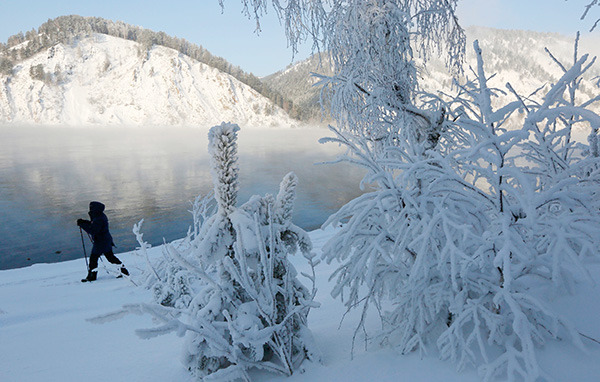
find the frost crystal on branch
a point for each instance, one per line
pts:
(588, 7)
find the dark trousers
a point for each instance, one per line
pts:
(110, 256)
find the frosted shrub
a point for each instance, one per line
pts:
(458, 239)
(540, 222)
(229, 286)
(170, 282)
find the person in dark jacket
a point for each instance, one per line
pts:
(97, 228)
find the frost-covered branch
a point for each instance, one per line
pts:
(588, 7)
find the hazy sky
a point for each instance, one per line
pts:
(231, 35)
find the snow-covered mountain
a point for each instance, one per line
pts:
(105, 80)
(520, 58)
(514, 56)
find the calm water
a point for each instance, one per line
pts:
(48, 176)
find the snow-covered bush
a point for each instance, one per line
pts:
(229, 286)
(170, 282)
(540, 221)
(459, 239)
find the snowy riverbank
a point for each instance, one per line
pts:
(44, 335)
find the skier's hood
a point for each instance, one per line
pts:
(96, 208)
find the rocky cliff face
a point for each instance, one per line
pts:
(104, 80)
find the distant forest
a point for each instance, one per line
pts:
(66, 29)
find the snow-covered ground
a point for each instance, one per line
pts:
(44, 334)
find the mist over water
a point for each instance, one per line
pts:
(48, 176)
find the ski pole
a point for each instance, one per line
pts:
(84, 252)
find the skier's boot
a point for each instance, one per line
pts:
(91, 276)
(124, 271)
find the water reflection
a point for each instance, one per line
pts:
(48, 175)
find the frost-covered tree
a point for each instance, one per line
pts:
(455, 244)
(372, 45)
(229, 286)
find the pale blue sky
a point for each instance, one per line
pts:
(231, 35)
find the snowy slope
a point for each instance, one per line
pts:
(44, 335)
(513, 56)
(518, 57)
(104, 80)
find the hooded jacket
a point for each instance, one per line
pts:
(98, 229)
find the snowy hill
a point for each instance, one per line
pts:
(519, 58)
(297, 84)
(105, 80)
(45, 335)
(514, 56)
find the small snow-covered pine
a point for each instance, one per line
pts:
(222, 148)
(229, 286)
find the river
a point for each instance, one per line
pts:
(48, 176)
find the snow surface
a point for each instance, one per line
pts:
(44, 335)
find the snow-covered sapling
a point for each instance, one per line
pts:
(229, 286)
